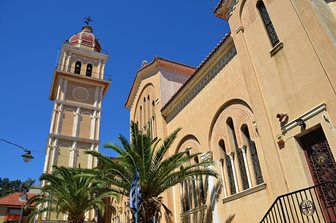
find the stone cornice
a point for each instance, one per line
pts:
(225, 8)
(304, 117)
(77, 78)
(73, 138)
(73, 104)
(84, 52)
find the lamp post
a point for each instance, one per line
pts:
(22, 198)
(27, 156)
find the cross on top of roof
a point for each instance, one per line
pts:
(88, 20)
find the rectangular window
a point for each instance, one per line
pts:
(268, 23)
(12, 211)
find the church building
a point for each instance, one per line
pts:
(262, 106)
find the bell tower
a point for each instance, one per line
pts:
(77, 89)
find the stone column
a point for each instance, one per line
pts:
(90, 158)
(246, 166)
(231, 155)
(54, 156)
(97, 125)
(46, 161)
(100, 97)
(99, 69)
(76, 124)
(102, 71)
(94, 115)
(93, 124)
(67, 65)
(59, 119)
(63, 61)
(95, 161)
(224, 178)
(53, 116)
(73, 153)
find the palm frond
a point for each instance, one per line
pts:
(70, 191)
(158, 170)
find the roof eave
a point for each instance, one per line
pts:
(132, 92)
(179, 95)
(223, 8)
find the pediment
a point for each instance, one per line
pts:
(152, 69)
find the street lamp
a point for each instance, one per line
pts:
(27, 156)
(22, 198)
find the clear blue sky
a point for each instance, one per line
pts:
(32, 33)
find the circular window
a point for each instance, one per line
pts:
(80, 94)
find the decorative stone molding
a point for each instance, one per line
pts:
(199, 87)
(80, 94)
(139, 89)
(309, 114)
(241, 114)
(72, 104)
(73, 138)
(245, 193)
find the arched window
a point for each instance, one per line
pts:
(193, 188)
(268, 23)
(253, 154)
(144, 115)
(140, 127)
(153, 127)
(239, 152)
(153, 120)
(78, 66)
(149, 109)
(89, 70)
(226, 163)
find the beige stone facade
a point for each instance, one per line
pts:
(77, 89)
(254, 103)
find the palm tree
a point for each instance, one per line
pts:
(158, 170)
(71, 192)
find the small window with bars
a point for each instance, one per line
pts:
(268, 23)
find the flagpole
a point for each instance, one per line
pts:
(137, 208)
(135, 197)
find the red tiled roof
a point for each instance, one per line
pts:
(217, 6)
(85, 38)
(13, 199)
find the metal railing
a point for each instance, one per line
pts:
(312, 204)
(82, 71)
